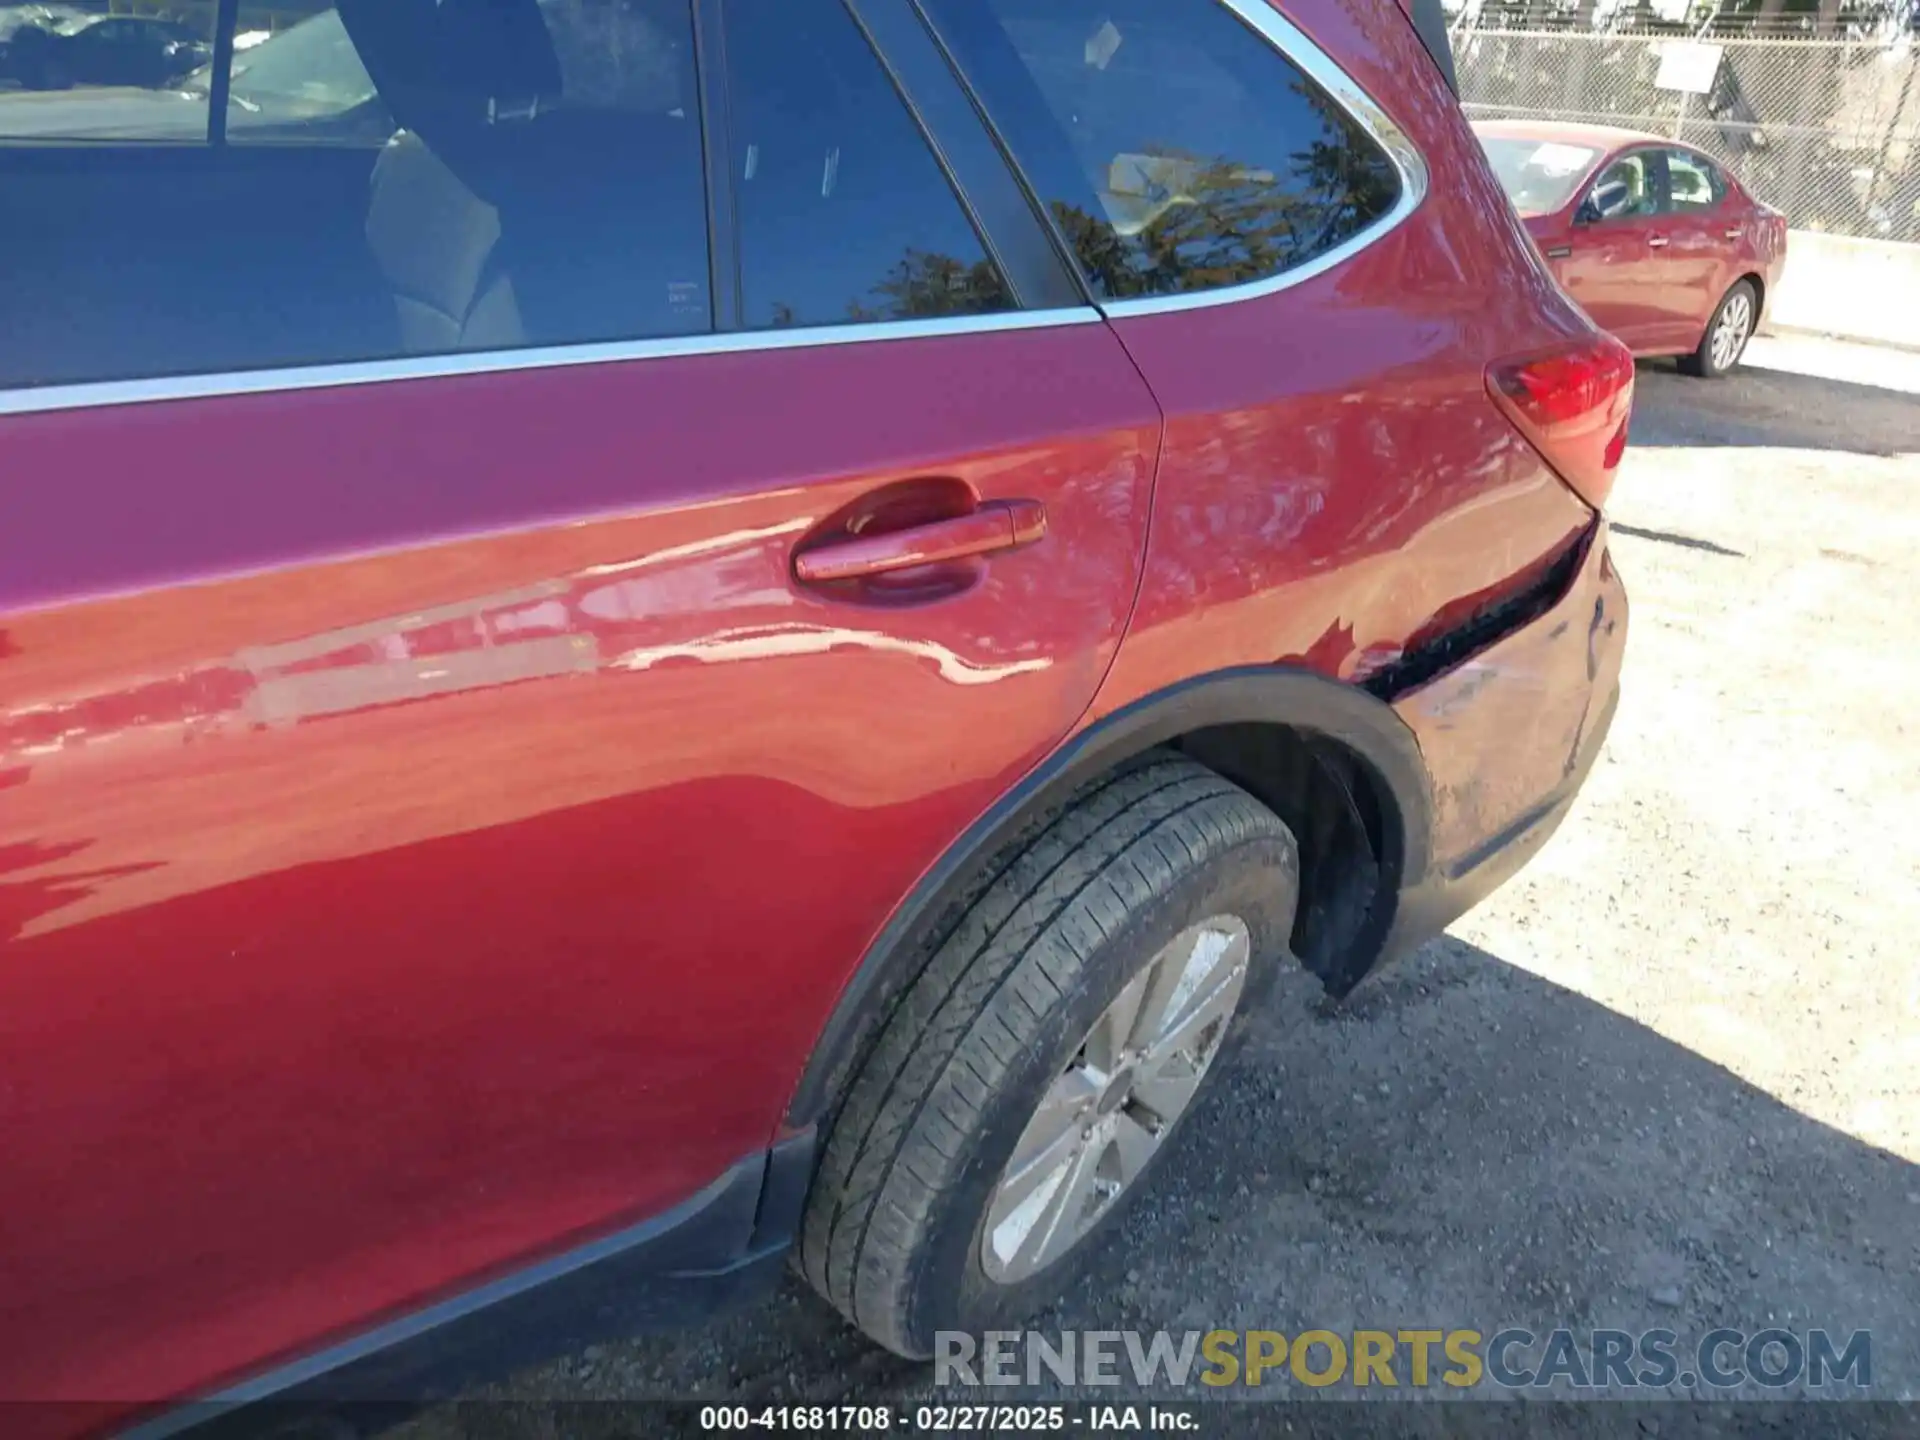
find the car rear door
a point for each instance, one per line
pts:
(1618, 262)
(443, 791)
(1701, 243)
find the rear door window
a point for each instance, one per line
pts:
(524, 174)
(1177, 149)
(845, 215)
(1693, 182)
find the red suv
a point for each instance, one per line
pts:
(640, 638)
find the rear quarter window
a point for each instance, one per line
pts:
(1176, 148)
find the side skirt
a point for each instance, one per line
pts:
(724, 1246)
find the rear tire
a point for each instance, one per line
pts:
(1727, 333)
(1160, 887)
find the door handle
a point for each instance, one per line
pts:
(1733, 232)
(1656, 242)
(995, 525)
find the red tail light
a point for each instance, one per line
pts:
(1572, 404)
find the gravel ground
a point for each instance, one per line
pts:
(1670, 1076)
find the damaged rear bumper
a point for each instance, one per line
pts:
(1508, 737)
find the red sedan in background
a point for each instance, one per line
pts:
(669, 636)
(1656, 240)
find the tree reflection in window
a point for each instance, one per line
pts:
(1233, 224)
(844, 213)
(924, 286)
(1177, 150)
(920, 286)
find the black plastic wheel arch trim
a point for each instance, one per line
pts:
(1275, 695)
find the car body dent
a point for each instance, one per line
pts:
(1534, 695)
(1250, 695)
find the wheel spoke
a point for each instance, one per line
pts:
(1180, 967)
(1019, 1209)
(1102, 1119)
(1047, 1143)
(1171, 1071)
(1133, 1145)
(1164, 1088)
(1113, 1032)
(1212, 997)
(1065, 1215)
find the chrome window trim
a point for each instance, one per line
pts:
(89, 394)
(1286, 37)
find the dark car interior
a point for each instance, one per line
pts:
(526, 198)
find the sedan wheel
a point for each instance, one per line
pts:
(1727, 333)
(1730, 331)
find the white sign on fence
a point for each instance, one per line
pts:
(1688, 66)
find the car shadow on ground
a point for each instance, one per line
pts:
(1674, 537)
(1460, 1145)
(1771, 408)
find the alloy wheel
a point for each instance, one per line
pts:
(1730, 330)
(1107, 1113)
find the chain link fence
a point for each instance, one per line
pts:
(1827, 130)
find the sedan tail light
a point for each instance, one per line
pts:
(1572, 403)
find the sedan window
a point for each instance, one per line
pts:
(1625, 189)
(67, 79)
(1539, 176)
(1693, 181)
